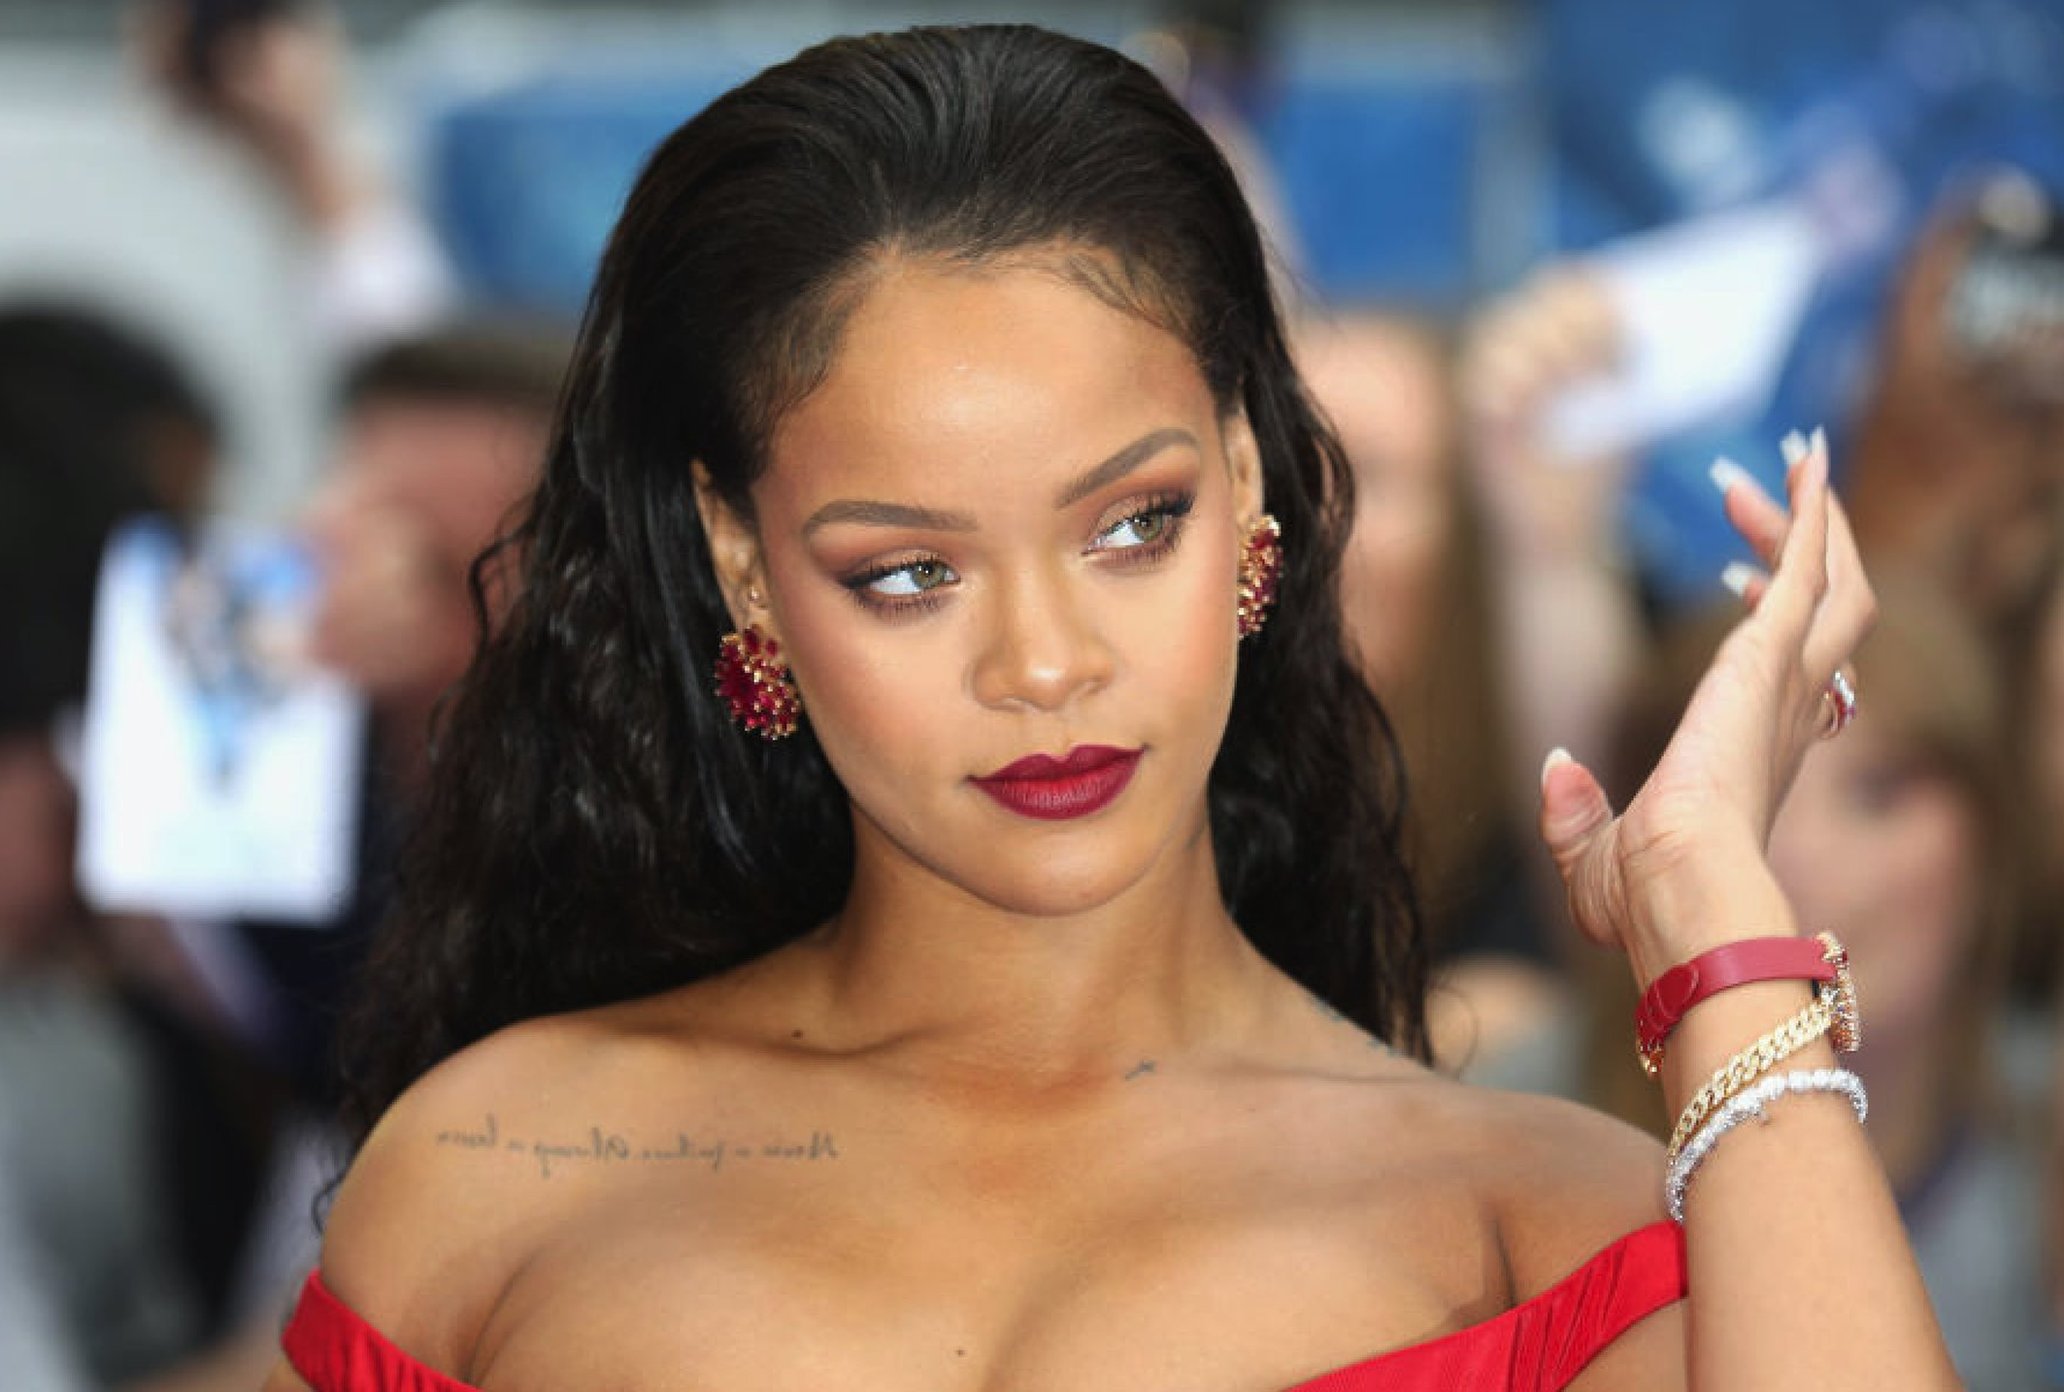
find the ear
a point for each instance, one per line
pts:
(734, 548)
(1243, 463)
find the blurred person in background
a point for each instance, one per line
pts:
(439, 427)
(1960, 468)
(1488, 611)
(102, 1284)
(267, 77)
(439, 436)
(1418, 593)
(1959, 462)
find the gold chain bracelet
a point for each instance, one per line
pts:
(1752, 1063)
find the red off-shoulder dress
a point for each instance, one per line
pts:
(1537, 1346)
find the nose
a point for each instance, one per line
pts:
(1043, 647)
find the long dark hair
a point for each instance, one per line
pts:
(597, 829)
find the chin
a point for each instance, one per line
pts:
(1061, 898)
(1055, 881)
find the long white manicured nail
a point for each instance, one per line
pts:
(1556, 757)
(1736, 575)
(1794, 447)
(1725, 474)
(1820, 440)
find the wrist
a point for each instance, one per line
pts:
(1691, 909)
(1687, 984)
(1715, 1030)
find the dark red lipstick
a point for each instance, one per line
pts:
(1055, 790)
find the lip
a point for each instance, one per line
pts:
(1085, 780)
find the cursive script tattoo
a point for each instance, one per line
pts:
(1139, 1070)
(604, 1148)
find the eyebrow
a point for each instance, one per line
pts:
(881, 514)
(1123, 463)
(868, 514)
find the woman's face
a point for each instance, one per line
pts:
(1882, 849)
(1007, 524)
(1381, 388)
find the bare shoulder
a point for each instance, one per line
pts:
(435, 1213)
(1563, 1180)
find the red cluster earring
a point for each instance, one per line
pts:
(1261, 568)
(754, 682)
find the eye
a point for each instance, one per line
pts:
(911, 578)
(1141, 529)
(1148, 527)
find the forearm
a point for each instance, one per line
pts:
(1800, 1270)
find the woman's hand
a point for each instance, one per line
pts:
(1682, 868)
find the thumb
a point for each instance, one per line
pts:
(1575, 811)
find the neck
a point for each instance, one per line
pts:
(1036, 999)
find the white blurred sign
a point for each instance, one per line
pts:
(1708, 310)
(219, 770)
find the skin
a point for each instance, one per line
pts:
(417, 490)
(1029, 1113)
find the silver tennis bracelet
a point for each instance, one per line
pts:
(1750, 1102)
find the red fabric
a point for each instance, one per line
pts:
(1541, 1345)
(1535, 1347)
(334, 1350)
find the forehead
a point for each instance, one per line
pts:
(955, 378)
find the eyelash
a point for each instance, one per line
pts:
(1174, 507)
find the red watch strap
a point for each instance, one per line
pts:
(1755, 959)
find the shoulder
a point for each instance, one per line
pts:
(441, 1205)
(1564, 1183)
(1561, 1181)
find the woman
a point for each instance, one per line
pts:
(1044, 1011)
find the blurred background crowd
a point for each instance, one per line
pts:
(310, 270)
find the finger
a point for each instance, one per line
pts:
(1760, 519)
(1800, 579)
(1848, 608)
(1851, 608)
(1575, 816)
(1747, 583)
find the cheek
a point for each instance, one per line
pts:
(868, 685)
